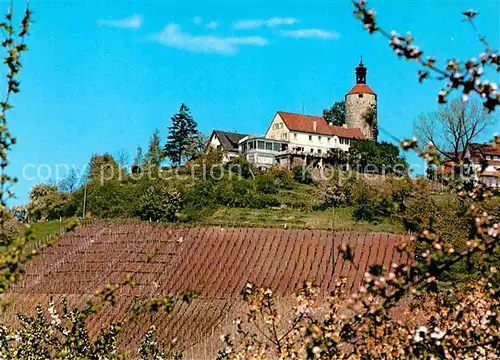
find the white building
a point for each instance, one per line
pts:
(226, 141)
(295, 137)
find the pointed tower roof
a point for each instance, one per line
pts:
(361, 87)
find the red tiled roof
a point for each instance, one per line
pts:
(353, 133)
(305, 123)
(495, 174)
(361, 89)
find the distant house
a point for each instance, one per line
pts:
(482, 162)
(485, 159)
(227, 142)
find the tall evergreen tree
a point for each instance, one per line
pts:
(154, 156)
(181, 134)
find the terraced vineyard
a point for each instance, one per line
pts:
(216, 262)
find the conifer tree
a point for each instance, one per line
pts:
(138, 161)
(154, 156)
(181, 134)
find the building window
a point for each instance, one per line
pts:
(312, 150)
(276, 146)
(328, 140)
(360, 95)
(342, 141)
(319, 138)
(283, 136)
(295, 136)
(269, 146)
(347, 141)
(319, 151)
(260, 145)
(251, 145)
(310, 137)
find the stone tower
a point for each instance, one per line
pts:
(361, 106)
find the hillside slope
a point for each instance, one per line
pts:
(216, 262)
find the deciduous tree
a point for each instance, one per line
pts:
(336, 114)
(453, 128)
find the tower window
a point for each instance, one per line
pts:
(360, 95)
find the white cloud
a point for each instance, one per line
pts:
(173, 36)
(132, 22)
(213, 25)
(311, 33)
(197, 20)
(272, 22)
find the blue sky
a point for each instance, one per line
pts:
(102, 75)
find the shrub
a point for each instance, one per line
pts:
(365, 208)
(240, 165)
(158, 203)
(302, 175)
(232, 192)
(266, 184)
(10, 230)
(283, 177)
(260, 201)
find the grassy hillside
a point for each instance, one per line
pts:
(333, 219)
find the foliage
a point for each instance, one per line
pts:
(266, 184)
(138, 161)
(453, 128)
(211, 157)
(20, 214)
(333, 193)
(196, 146)
(338, 156)
(374, 157)
(12, 229)
(46, 203)
(283, 178)
(70, 181)
(154, 156)
(158, 203)
(13, 254)
(181, 133)
(103, 168)
(336, 114)
(40, 191)
(239, 165)
(63, 335)
(302, 175)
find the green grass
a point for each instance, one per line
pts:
(43, 231)
(339, 219)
